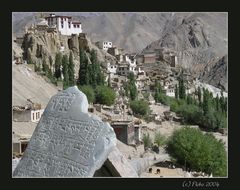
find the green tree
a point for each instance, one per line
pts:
(83, 68)
(105, 95)
(158, 95)
(45, 67)
(50, 61)
(71, 70)
(140, 107)
(65, 66)
(199, 95)
(90, 74)
(201, 152)
(89, 92)
(147, 141)
(189, 99)
(58, 64)
(222, 103)
(176, 91)
(182, 90)
(93, 68)
(159, 139)
(100, 80)
(130, 87)
(206, 102)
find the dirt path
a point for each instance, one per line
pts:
(164, 172)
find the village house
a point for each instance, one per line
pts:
(149, 57)
(27, 113)
(21, 134)
(111, 68)
(19, 145)
(119, 58)
(170, 92)
(105, 45)
(42, 25)
(64, 24)
(126, 131)
(19, 40)
(113, 51)
(123, 69)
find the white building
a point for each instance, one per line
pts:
(112, 69)
(170, 92)
(123, 69)
(104, 45)
(64, 24)
(27, 115)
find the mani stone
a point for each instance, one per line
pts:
(67, 141)
(118, 164)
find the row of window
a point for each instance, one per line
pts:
(69, 26)
(36, 115)
(122, 68)
(125, 68)
(123, 73)
(109, 43)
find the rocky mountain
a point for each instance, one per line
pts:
(37, 47)
(200, 41)
(131, 31)
(216, 74)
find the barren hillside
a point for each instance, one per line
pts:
(26, 84)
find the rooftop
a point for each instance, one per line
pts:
(23, 129)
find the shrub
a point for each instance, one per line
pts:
(202, 152)
(159, 139)
(140, 107)
(89, 92)
(147, 141)
(105, 95)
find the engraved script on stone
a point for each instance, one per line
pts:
(67, 141)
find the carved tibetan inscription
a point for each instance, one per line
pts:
(67, 141)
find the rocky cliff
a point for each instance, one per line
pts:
(131, 31)
(200, 40)
(41, 46)
(216, 73)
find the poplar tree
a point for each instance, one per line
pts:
(71, 70)
(58, 64)
(65, 65)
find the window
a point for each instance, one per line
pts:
(36, 115)
(33, 116)
(62, 25)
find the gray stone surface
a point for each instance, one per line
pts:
(119, 164)
(141, 164)
(67, 141)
